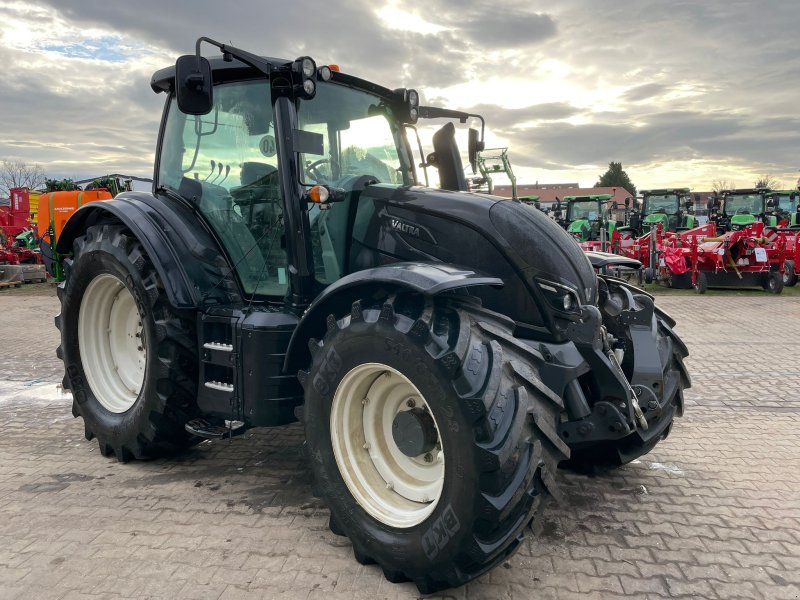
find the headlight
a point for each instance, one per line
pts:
(306, 71)
(308, 68)
(562, 298)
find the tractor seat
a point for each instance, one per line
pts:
(253, 172)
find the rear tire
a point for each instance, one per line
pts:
(130, 360)
(701, 287)
(495, 422)
(649, 275)
(789, 274)
(774, 282)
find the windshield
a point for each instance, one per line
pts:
(360, 138)
(583, 209)
(667, 204)
(744, 204)
(787, 203)
(362, 143)
(226, 163)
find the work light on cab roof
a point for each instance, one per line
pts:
(307, 69)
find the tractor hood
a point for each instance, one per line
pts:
(503, 238)
(742, 220)
(578, 228)
(654, 218)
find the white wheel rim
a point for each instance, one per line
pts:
(395, 489)
(111, 343)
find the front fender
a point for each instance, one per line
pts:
(424, 278)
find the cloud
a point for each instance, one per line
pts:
(567, 85)
(644, 92)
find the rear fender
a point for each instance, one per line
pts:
(423, 278)
(186, 256)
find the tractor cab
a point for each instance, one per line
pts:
(587, 217)
(784, 205)
(668, 208)
(299, 131)
(743, 207)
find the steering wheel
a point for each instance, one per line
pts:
(742, 211)
(314, 172)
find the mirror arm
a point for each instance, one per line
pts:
(433, 112)
(247, 58)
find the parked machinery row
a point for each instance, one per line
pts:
(750, 237)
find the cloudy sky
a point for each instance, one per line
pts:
(682, 93)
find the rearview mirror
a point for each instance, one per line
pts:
(193, 85)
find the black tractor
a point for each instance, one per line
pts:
(444, 351)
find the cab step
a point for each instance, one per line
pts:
(215, 429)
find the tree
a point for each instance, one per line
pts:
(616, 177)
(719, 185)
(17, 173)
(767, 181)
(60, 185)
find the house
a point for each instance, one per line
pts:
(548, 193)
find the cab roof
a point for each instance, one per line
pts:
(591, 197)
(163, 80)
(665, 191)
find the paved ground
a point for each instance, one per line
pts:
(713, 512)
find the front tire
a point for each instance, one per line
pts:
(494, 433)
(129, 359)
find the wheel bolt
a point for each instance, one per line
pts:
(365, 401)
(410, 403)
(389, 485)
(366, 446)
(428, 457)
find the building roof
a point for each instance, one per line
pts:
(548, 193)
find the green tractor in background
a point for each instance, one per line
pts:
(743, 207)
(588, 220)
(669, 208)
(785, 207)
(532, 200)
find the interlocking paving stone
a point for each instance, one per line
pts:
(712, 512)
